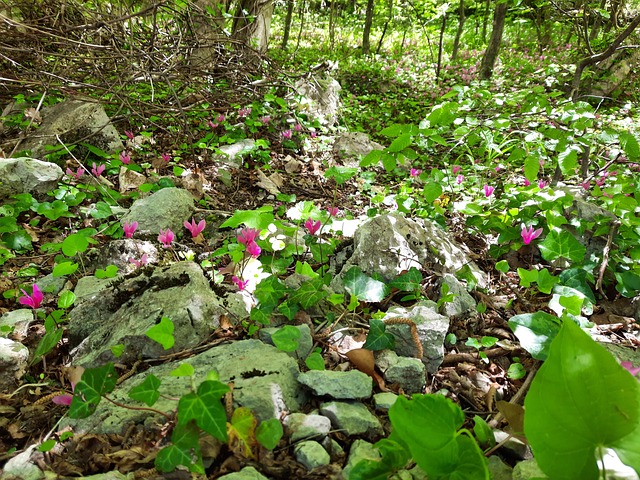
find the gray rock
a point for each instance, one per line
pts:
(333, 448)
(72, 121)
(115, 475)
(303, 426)
(27, 175)
(512, 445)
(23, 466)
(247, 473)
(355, 144)
(318, 97)
(51, 284)
(462, 303)
(352, 418)
(166, 208)
(119, 253)
(528, 470)
(89, 287)
(399, 244)
(351, 385)
(18, 322)
(123, 312)
(384, 400)
(311, 454)
(432, 329)
(305, 342)
(360, 450)
(264, 381)
(408, 373)
(14, 358)
(498, 469)
(232, 155)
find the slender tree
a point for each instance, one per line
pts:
(491, 53)
(461, 20)
(368, 20)
(287, 24)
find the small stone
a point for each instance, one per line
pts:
(247, 473)
(14, 358)
(304, 426)
(408, 373)
(17, 321)
(527, 470)
(498, 469)
(311, 454)
(512, 445)
(462, 302)
(352, 418)
(351, 385)
(360, 450)
(333, 448)
(384, 400)
(23, 466)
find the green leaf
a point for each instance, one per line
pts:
(630, 145)
(259, 218)
(184, 370)
(288, 310)
(340, 174)
(269, 292)
(206, 409)
(400, 143)
(364, 287)
(483, 432)
(535, 331)
(378, 338)
(546, 281)
(269, 433)
(531, 168)
(95, 382)
(286, 338)
(162, 333)
(243, 426)
(389, 161)
(147, 391)
(184, 451)
(47, 445)
(371, 158)
(309, 293)
(64, 268)
(502, 266)
(516, 371)
(407, 282)
(66, 299)
(568, 161)
(117, 350)
(595, 404)
(314, 361)
(527, 277)
(560, 243)
(101, 210)
(49, 340)
(75, 243)
(432, 191)
(109, 272)
(19, 241)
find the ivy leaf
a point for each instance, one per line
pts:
(269, 292)
(535, 331)
(286, 338)
(269, 433)
(95, 382)
(242, 429)
(596, 404)
(206, 409)
(364, 287)
(162, 333)
(378, 338)
(182, 451)
(309, 293)
(147, 391)
(560, 243)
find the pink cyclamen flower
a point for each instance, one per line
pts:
(415, 172)
(243, 112)
(129, 134)
(586, 185)
(526, 182)
(194, 228)
(333, 211)
(600, 181)
(212, 125)
(312, 226)
(529, 234)
(297, 127)
(76, 174)
(166, 157)
(125, 157)
(488, 190)
(456, 169)
(65, 399)
(166, 237)
(239, 282)
(497, 169)
(220, 118)
(129, 228)
(459, 179)
(265, 120)
(628, 366)
(139, 263)
(34, 300)
(253, 249)
(287, 134)
(97, 171)
(313, 134)
(248, 235)
(542, 184)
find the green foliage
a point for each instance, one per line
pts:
(363, 287)
(378, 338)
(205, 408)
(269, 433)
(95, 383)
(163, 333)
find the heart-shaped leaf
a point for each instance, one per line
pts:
(378, 338)
(363, 286)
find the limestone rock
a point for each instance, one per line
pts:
(408, 373)
(498, 469)
(301, 426)
(27, 175)
(14, 358)
(311, 454)
(354, 144)
(232, 155)
(462, 303)
(247, 473)
(384, 400)
(23, 466)
(351, 385)
(166, 208)
(353, 418)
(360, 450)
(319, 98)
(17, 323)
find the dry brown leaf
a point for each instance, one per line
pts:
(514, 414)
(363, 360)
(271, 184)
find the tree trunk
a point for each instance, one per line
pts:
(490, 55)
(287, 24)
(593, 59)
(386, 25)
(208, 33)
(440, 45)
(461, 20)
(368, 20)
(485, 20)
(253, 33)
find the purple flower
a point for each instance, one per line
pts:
(253, 249)
(220, 118)
(65, 399)
(459, 179)
(586, 185)
(239, 282)
(244, 112)
(628, 366)
(541, 184)
(129, 228)
(129, 134)
(287, 134)
(34, 300)
(415, 172)
(456, 169)
(526, 182)
(125, 157)
(97, 171)
(166, 157)
(333, 211)
(297, 127)
(194, 228)
(248, 235)
(212, 125)
(139, 263)
(265, 120)
(529, 234)
(77, 174)
(312, 226)
(488, 190)
(600, 181)
(166, 237)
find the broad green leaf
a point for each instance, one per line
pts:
(568, 161)
(389, 161)
(628, 283)
(162, 333)
(206, 409)
(243, 427)
(109, 272)
(288, 310)
(286, 338)
(372, 158)
(546, 281)
(75, 243)
(66, 299)
(502, 266)
(595, 404)
(432, 191)
(630, 145)
(527, 277)
(269, 433)
(64, 268)
(309, 293)
(535, 331)
(314, 361)
(364, 287)
(147, 391)
(185, 450)
(560, 243)
(19, 241)
(483, 432)
(101, 210)
(184, 370)
(269, 292)
(392, 130)
(531, 168)
(407, 282)
(378, 338)
(95, 382)
(47, 445)
(370, 470)
(259, 218)
(340, 174)
(49, 340)
(400, 143)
